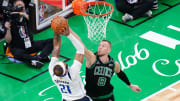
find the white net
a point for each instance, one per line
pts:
(97, 19)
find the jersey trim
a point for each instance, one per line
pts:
(104, 96)
(97, 58)
(106, 62)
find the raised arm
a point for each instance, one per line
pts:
(76, 41)
(56, 44)
(24, 14)
(55, 52)
(8, 36)
(90, 57)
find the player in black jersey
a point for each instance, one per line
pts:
(99, 70)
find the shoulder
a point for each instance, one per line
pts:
(75, 69)
(90, 58)
(111, 59)
(76, 63)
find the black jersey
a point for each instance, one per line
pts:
(20, 31)
(98, 78)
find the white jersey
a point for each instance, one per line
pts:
(70, 85)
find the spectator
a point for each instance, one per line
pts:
(21, 41)
(134, 9)
(5, 3)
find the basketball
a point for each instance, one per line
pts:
(59, 24)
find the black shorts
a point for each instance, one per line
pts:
(85, 98)
(111, 98)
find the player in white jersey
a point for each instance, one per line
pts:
(66, 78)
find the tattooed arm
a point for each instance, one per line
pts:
(57, 45)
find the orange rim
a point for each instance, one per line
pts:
(94, 3)
(76, 5)
(85, 5)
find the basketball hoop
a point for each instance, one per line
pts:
(96, 15)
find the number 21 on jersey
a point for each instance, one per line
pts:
(65, 88)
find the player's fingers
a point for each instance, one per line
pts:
(138, 89)
(66, 31)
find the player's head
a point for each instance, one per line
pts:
(104, 48)
(19, 2)
(60, 68)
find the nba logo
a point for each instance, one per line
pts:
(41, 13)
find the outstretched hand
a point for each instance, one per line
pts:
(135, 88)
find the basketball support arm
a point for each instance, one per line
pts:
(77, 44)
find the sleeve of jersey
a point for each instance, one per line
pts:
(51, 64)
(75, 68)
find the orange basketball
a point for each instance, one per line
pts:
(59, 24)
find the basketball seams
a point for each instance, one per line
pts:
(58, 24)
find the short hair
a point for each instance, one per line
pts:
(17, 1)
(107, 42)
(58, 71)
